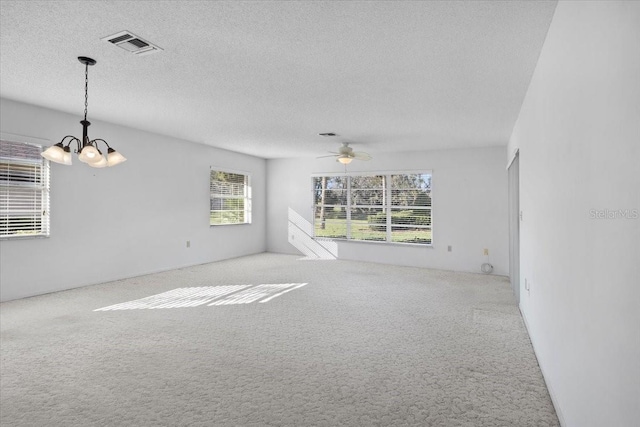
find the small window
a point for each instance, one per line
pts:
(24, 190)
(392, 208)
(230, 197)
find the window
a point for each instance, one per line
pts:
(382, 207)
(24, 190)
(230, 198)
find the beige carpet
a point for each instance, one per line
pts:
(328, 343)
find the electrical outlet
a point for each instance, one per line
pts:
(188, 243)
(486, 251)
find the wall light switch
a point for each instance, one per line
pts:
(486, 251)
(188, 243)
(449, 248)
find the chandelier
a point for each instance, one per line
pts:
(87, 149)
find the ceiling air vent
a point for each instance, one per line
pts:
(132, 43)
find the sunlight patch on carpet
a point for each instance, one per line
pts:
(211, 295)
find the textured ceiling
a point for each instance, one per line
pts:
(264, 78)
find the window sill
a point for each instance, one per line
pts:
(26, 237)
(375, 242)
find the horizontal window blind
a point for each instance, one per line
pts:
(230, 198)
(24, 190)
(410, 211)
(330, 205)
(387, 208)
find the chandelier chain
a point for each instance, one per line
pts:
(86, 90)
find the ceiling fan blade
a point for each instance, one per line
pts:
(330, 155)
(360, 155)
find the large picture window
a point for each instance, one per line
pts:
(24, 190)
(394, 208)
(230, 197)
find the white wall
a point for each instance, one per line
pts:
(469, 207)
(128, 220)
(579, 138)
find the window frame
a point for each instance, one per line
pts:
(387, 207)
(247, 197)
(43, 188)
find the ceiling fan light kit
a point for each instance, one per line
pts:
(87, 149)
(345, 160)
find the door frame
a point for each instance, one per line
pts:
(513, 173)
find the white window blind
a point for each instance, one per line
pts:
(230, 198)
(24, 190)
(386, 207)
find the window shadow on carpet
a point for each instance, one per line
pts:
(210, 295)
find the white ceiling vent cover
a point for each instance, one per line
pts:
(132, 43)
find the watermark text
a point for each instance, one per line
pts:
(614, 213)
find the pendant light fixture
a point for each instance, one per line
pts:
(87, 150)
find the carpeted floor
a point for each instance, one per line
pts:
(359, 345)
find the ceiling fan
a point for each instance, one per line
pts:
(346, 154)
